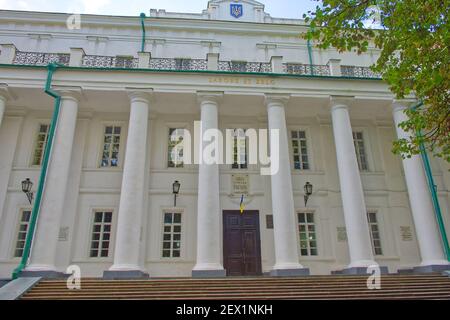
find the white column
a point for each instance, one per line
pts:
(209, 248)
(359, 243)
(4, 96)
(2, 107)
(45, 241)
(285, 230)
(420, 200)
(127, 245)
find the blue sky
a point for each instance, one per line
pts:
(276, 8)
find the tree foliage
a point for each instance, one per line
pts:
(414, 40)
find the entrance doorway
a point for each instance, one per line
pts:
(241, 243)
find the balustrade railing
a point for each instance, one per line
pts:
(237, 66)
(174, 64)
(110, 62)
(40, 58)
(178, 64)
(358, 72)
(306, 69)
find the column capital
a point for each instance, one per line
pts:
(5, 92)
(140, 94)
(276, 99)
(209, 96)
(402, 104)
(69, 92)
(341, 101)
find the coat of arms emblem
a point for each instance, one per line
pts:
(236, 10)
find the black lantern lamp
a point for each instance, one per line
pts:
(27, 185)
(308, 191)
(175, 190)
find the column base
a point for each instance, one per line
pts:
(124, 274)
(220, 273)
(45, 274)
(358, 271)
(299, 272)
(431, 268)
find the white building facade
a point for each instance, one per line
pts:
(107, 204)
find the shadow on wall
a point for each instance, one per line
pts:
(4, 281)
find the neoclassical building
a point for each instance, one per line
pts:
(100, 134)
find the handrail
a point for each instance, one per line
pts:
(432, 187)
(43, 175)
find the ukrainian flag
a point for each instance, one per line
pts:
(241, 205)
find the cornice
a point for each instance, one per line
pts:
(127, 22)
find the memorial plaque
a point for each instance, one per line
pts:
(240, 184)
(406, 233)
(63, 234)
(269, 221)
(341, 234)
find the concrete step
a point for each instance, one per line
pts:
(315, 287)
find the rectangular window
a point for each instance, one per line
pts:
(299, 150)
(358, 140)
(101, 234)
(24, 222)
(111, 146)
(39, 147)
(307, 232)
(240, 149)
(175, 152)
(374, 233)
(171, 235)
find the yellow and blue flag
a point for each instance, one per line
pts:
(241, 205)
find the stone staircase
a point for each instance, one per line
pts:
(432, 286)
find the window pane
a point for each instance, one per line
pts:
(168, 218)
(108, 216)
(301, 217)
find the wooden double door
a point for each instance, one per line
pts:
(241, 243)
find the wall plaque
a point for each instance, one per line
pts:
(341, 234)
(63, 234)
(406, 233)
(240, 184)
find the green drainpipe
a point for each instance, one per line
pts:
(308, 44)
(143, 32)
(432, 187)
(37, 203)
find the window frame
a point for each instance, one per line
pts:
(309, 145)
(180, 211)
(316, 228)
(122, 144)
(247, 150)
(15, 238)
(36, 132)
(378, 223)
(367, 154)
(167, 138)
(111, 236)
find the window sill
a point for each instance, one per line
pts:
(316, 259)
(298, 172)
(106, 169)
